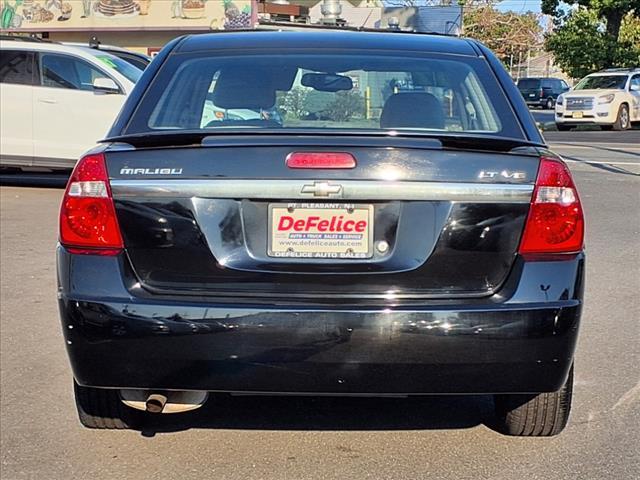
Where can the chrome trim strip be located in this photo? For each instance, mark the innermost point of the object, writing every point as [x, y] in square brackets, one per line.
[351, 190]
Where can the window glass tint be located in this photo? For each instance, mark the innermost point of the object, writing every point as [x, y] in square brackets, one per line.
[63, 71]
[529, 83]
[602, 82]
[324, 92]
[121, 66]
[138, 62]
[547, 83]
[635, 81]
[17, 67]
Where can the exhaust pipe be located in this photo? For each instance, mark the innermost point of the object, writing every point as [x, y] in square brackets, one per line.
[155, 403]
[163, 401]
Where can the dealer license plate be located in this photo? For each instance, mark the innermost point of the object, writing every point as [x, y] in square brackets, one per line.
[321, 230]
[577, 114]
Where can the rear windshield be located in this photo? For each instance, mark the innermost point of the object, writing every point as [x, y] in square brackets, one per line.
[346, 91]
[529, 83]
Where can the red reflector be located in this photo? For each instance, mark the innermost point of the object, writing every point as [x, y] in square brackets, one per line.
[88, 222]
[555, 223]
[320, 160]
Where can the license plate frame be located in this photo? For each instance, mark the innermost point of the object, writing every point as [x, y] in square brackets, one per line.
[349, 247]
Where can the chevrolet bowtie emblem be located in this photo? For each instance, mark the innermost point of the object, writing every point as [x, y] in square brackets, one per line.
[322, 189]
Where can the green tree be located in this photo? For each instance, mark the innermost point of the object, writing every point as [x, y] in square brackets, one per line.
[345, 106]
[292, 103]
[610, 12]
[596, 34]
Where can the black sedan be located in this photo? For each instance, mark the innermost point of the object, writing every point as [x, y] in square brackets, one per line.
[349, 238]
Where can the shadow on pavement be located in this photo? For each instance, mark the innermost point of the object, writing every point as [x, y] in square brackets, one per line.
[602, 166]
[328, 414]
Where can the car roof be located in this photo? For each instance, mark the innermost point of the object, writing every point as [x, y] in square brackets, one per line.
[41, 46]
[325, 40]
[108, 48]
[616, 73]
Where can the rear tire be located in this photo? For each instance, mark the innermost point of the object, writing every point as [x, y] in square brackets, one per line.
[550, 104]
[622, 120]
[542, 415]
[563, 128]
[102, 408]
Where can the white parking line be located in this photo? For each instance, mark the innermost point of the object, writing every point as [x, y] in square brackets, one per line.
[597, 162]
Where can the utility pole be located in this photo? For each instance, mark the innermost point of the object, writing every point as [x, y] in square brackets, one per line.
[519, 63]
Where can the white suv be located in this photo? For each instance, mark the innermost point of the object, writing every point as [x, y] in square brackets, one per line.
[610, 98]
[57, 101]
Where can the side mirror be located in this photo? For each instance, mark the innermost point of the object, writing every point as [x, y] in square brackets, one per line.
[634, 88]
[105, 85]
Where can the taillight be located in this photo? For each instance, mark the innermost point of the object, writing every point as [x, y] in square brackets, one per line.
[88, 223]
[320, 160]
[555, 223]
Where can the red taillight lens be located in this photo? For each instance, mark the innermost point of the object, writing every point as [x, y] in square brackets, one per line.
[555, 223]
[88, 222]
[320, 160]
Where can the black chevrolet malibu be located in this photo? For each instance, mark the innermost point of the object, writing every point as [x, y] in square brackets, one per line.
[343, 213]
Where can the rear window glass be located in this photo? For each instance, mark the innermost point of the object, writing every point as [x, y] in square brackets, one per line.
[529, 83]
[318, 91]
[17, 67]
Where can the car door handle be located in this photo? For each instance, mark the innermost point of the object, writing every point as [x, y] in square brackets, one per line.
[47, 100]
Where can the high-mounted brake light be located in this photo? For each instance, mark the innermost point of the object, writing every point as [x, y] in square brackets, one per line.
[88, 223]
[556, 222]
[320, 160]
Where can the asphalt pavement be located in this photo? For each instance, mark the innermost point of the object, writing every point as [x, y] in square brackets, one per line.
[326, 438]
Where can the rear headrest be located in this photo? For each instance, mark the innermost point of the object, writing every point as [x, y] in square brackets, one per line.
[412, 110]
[244, 89]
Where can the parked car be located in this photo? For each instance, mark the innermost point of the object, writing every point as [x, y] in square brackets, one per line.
[610, 99]
[137, 59]
[57, 101]
[410, 243]
[542, 92]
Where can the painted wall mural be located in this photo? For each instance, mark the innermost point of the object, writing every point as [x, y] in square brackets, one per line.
[48, 15]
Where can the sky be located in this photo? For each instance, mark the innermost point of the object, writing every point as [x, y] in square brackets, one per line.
[520, 5]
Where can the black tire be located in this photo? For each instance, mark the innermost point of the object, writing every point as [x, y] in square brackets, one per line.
[542, 415]
[563, 128]
[623, 119]
[550, 104]
[102, 408]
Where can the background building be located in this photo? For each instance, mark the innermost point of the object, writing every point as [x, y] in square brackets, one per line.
[142, 25]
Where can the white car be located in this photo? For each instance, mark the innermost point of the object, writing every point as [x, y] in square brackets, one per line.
[57, 101]
[610, 98]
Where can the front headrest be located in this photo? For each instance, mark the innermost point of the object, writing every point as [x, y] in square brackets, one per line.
[243, 89]
[412, 110]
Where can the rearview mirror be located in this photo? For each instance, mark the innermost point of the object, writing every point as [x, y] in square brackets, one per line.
[327, 82]
[105, 85]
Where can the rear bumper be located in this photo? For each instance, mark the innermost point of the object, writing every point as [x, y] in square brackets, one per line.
[540, 102]
[523, 343]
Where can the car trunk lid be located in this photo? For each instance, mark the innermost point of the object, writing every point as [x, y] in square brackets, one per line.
[432, 221]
